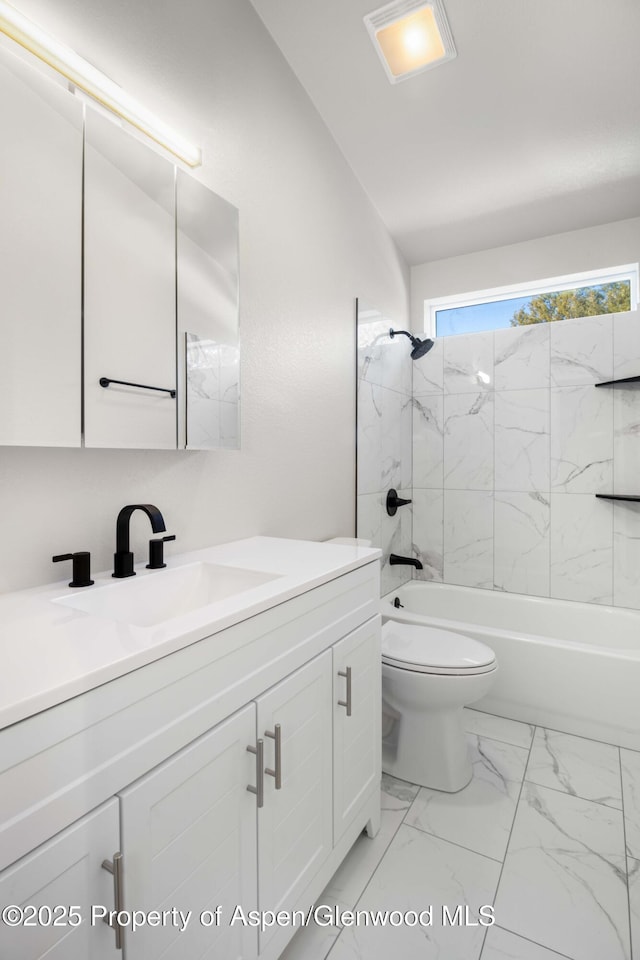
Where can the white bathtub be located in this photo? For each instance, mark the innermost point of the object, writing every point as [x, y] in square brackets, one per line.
[570, 666]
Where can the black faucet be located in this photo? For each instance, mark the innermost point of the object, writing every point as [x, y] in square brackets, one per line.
[410, 561]
[123, 557]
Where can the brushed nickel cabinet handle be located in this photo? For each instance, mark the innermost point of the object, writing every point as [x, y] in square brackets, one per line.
[276, 734]
[258, 750]
[114, 867]
[346, 703]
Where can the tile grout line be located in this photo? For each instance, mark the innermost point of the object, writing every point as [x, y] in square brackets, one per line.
[574, 796]
[506, 852]
[364, 889]
[544, 726]
[626, 854]
[563, 956]
[460, 846]
[546, 786]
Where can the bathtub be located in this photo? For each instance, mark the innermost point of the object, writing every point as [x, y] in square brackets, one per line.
[574, 667]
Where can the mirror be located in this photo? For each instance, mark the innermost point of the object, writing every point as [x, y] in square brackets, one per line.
[129, 291]
[119, 317]
[208, 338]
[40, 259]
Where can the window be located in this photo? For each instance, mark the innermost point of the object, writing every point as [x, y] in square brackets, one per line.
[614, 290]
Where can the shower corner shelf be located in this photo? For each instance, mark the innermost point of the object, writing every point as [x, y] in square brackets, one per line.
[612, 383]
[617, 496]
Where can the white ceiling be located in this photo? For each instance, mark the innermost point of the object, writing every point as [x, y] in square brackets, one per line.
[533, 129]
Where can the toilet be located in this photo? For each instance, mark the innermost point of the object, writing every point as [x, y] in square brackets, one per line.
[428, 676]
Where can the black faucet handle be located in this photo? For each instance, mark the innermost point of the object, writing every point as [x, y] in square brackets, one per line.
[394, 501]
[156, 552]
[81, 567]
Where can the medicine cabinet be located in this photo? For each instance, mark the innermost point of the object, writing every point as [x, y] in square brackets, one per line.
[119, 283]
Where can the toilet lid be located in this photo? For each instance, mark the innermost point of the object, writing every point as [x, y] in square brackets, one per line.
[424, 648]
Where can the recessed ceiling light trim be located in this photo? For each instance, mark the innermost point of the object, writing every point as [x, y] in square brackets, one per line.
[410, 36]
[94, 82]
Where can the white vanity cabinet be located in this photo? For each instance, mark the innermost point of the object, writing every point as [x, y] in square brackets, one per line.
[63, 879]
[227, 774]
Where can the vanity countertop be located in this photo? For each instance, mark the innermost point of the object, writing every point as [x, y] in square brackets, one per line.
[50, 652]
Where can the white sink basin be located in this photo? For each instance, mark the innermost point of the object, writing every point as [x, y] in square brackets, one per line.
[149, 600]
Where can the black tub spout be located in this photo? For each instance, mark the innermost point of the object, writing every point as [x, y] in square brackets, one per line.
[394, 559]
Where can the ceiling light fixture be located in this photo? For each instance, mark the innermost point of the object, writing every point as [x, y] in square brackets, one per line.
[410, 36]
[94, 82]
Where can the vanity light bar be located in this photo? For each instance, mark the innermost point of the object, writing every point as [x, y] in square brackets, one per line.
[93, 82]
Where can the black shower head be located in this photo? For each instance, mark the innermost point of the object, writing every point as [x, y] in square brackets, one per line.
[420, 347]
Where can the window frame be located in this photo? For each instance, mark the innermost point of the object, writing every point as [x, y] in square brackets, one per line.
[572, 281]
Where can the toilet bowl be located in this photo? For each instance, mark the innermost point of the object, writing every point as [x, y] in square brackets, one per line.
[428, 676]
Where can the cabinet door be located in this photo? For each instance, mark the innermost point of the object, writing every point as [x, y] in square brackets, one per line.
[65, 871]
[189, 842]
[40, 258]
[294, 825]
[208, 340]
[356, 727]
[129, 290]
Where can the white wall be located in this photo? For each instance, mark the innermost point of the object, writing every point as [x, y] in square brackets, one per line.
[608, 245]
[310, 243]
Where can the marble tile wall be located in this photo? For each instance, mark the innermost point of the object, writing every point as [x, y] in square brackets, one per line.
[384, 447]
[510, 443]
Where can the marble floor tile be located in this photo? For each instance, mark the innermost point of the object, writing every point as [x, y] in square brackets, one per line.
[502, 945]
[416, 872]
[353, 875]
[630, 761]
[564, 879]
[480, 816]
[348, 882]
[583, 768]
[313, 942]
[633, 867]
[498, 728]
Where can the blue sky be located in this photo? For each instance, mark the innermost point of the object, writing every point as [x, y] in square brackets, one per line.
[480, 316]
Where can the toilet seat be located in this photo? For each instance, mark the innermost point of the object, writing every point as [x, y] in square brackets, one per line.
[425, 649]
